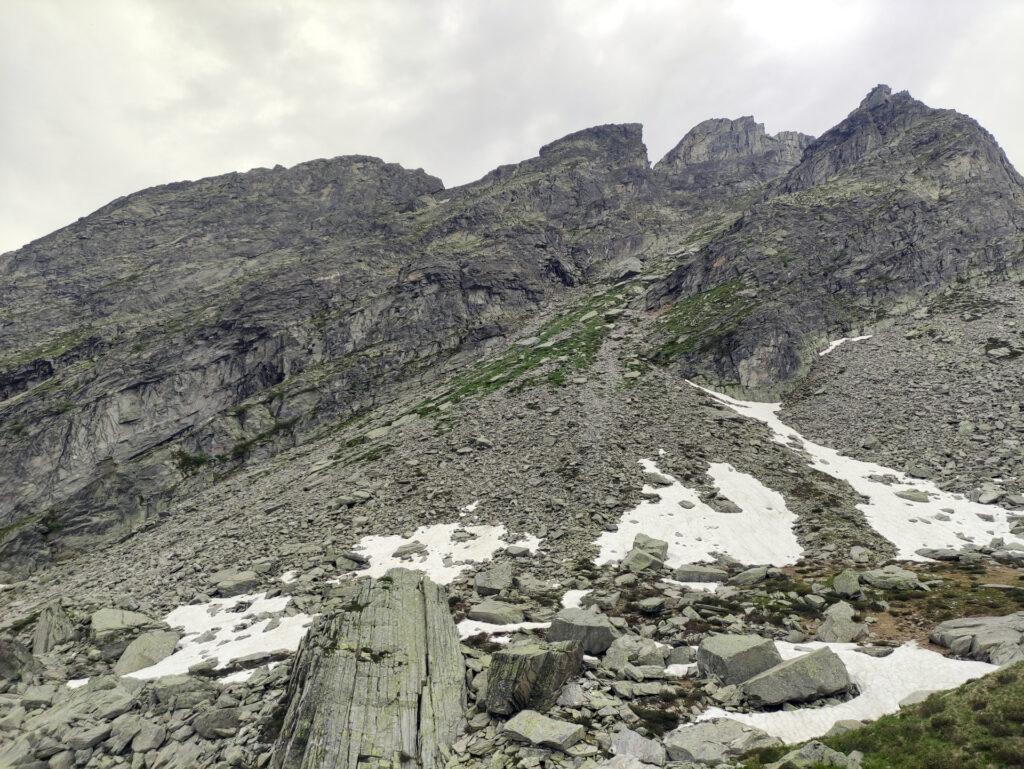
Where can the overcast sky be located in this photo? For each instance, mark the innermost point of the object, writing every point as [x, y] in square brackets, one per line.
[105, 97]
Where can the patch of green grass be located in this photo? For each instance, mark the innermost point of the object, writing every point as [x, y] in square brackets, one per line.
[699, 322]
[242, 448]
[574, 339]
[977, 726]
[190, 463]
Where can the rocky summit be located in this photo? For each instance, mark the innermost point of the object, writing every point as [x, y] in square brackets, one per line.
[712, 461]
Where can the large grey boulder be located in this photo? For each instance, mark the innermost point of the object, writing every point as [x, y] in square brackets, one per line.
[816, 755]
[148, 649]
[809, 677]
[634, 650]
[647, 554]
[493, 580]
[694, 572]
[531, 727]
[716, 741]
[496, 612]
[15, 660]
[529, 676]
[847, 584]
[53, 628]
[735, 658]
[999, 640]
[626, 742]
[892, 577]
[105, 624]
[839, 625]
[595, 631]
[381, 681]
[231, 582]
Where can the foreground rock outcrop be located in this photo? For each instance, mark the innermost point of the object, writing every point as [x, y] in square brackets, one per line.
[380, 682]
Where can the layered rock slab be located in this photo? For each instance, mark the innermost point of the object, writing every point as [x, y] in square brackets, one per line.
[381, 682]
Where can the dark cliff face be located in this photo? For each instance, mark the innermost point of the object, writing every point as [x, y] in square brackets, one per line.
[719, 159]
[897, 199]
[184, 330]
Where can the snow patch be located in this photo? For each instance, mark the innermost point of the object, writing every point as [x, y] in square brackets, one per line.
[76, 683]
[945, 521]
[443, 558]
[694, 587]
[761, 534]
[498, 633]
[680, 670]
[883, 682]
[835, 343]
[289, 576]
[230, 628]
[572, 598]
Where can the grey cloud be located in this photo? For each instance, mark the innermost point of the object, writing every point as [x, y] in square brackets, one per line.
[106, 97]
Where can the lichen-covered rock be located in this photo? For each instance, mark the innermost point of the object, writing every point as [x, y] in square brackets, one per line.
[531, 727]
[839, 625]
[53, 628]
[999, 640]
[808, 677]
[148, 649]
[15, 659]
[380, 681]
[592, 629]
[529, 676]
[735, 658]
[716, 741]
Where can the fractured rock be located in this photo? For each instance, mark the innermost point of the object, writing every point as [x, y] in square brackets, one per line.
[808, 677]
[53, 628]
[535, 729]
[716, 741]
[595, 631]
[530, 676]
[148, 649]
[381, 680]
[839, 625]
[735, 658]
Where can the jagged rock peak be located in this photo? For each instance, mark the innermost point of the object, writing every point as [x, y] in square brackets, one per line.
[622, 141]
[722, 139]
[880, 94]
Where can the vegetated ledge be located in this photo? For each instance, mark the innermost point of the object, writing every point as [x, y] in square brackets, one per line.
[977, 726]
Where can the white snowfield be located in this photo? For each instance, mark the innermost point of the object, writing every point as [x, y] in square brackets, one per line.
[883, 683]
[444, 558]
[573, 598]
[498, 633]
[229, 634]
[761, 534]
[836, 342]
[945, 521]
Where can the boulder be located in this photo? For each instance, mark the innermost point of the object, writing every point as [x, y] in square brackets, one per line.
[381, 680]
[496, 612]
[735, 658]
[148, 649]
[999, 640]
[217, 723]
[530, 676]
[493, 580]
[808, 677]
[182, 692]
[816, 755]
[716, 741]
[751, 576]
[626, 742]
[15, 660]
[538, 730]
[106, 624]
[633, 650]
[847, 584]
[231, 582]
[53, 628]
[696, 573]
[595, 631]
[839, 625]
[892, 578]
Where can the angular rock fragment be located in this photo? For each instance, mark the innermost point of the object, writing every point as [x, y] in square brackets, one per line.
[53, 628]
[809, 677]
[595, 631]
[839, 625]
[531, 727]
[148, 649]
[530, 676]
[999, 640]
[735, 658]
[716, 741]
[380, 682]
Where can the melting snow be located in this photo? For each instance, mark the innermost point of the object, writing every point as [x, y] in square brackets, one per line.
[75, 683]
[883, 682]
[945, 521]
[761, 534]
[835, 343]
[228, 634]
[443, 558]
[572, 598]
[499, 633]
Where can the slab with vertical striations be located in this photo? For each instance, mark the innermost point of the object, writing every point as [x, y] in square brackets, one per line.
[380, 683]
